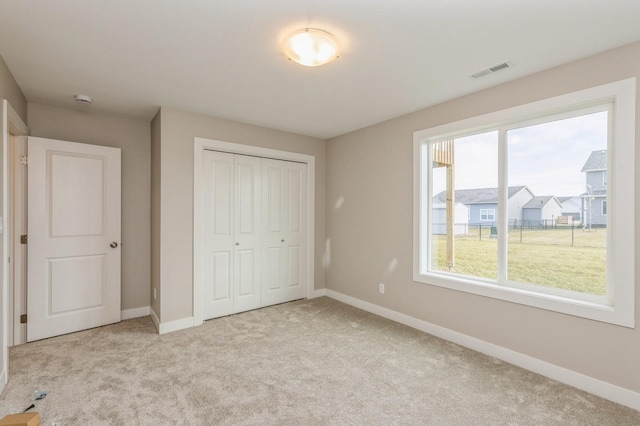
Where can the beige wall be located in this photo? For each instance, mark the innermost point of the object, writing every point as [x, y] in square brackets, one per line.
[371, 169]
[178, 129]
[10, 91]
[133, 137]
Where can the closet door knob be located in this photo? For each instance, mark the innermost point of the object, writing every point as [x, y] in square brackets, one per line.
[237, 244]
[282, 241]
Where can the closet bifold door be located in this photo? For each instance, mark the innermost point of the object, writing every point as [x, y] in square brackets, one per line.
[217, 247]
[231, 212]
[247, 208]
[284, 213]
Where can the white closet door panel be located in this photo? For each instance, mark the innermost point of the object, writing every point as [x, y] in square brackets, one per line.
[217, 260]
[221, 276]
[274, 193]
[221, 184]
[284, 197]
[295, 238]
[246, 277]
[273, 270]
[293, 269]
[295, 200]
[247, 216]
[274, 198]
[245, 204]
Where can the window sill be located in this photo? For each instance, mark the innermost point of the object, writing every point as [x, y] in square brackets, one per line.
[597, 309]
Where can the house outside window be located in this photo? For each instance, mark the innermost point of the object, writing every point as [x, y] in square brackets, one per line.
[547, 151]
[595, 170]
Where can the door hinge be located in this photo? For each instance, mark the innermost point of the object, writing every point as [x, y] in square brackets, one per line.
[23, 319]
[24, 160]
[23, 239]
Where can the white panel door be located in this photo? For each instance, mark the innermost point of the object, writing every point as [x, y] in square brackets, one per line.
[231, 263]
[295, 232]
[74, 209]
[247, 219]
[217, 262]
[284, 238]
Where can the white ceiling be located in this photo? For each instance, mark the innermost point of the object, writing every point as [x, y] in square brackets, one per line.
[222, 57]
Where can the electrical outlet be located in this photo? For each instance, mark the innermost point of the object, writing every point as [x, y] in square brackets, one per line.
[381, 288]
[155, 296]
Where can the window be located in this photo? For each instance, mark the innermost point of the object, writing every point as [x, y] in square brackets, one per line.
[521, 160]
[487, 215]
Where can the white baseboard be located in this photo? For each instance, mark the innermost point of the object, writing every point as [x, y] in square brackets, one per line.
[169, 326]
[589, 384]
[318, 293]
[142, 311]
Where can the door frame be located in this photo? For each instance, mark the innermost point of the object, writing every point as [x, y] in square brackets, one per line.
[202, 144]
[12, 126]
[18, 226]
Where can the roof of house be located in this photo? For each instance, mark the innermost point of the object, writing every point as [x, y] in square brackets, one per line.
[479, 195]
[597, 193]
[539, 202]
[597, 161]
[565, 199]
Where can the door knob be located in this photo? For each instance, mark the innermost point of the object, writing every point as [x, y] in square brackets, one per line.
[237, 244]
[113, 245]
[282, 241]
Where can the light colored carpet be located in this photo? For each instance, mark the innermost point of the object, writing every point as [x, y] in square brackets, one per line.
[311, 362]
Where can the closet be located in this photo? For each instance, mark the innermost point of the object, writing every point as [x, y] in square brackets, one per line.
[254, 242]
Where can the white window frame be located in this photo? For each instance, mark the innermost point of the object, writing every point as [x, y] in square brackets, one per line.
[493, 215]
[617, 307]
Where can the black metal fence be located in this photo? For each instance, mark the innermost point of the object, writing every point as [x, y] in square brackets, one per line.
[531, 232]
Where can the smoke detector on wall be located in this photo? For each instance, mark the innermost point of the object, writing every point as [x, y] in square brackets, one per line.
[83, 99]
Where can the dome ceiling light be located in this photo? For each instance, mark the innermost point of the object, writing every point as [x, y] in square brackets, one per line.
[311, 47]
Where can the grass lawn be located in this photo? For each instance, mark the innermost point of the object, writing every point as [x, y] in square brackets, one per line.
[544, 257]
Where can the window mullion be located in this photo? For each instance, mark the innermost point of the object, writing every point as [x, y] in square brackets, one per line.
[503, 225]
[611, 195]
[426, 191]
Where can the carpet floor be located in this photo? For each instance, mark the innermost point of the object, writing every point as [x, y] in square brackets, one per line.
[311, 362]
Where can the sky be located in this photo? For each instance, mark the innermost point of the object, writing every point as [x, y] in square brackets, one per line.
[548, 158]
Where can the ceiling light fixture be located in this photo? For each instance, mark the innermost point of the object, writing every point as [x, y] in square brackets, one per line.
[311, 47]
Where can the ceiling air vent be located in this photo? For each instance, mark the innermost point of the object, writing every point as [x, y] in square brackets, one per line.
[83, 99]
[490, 70]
